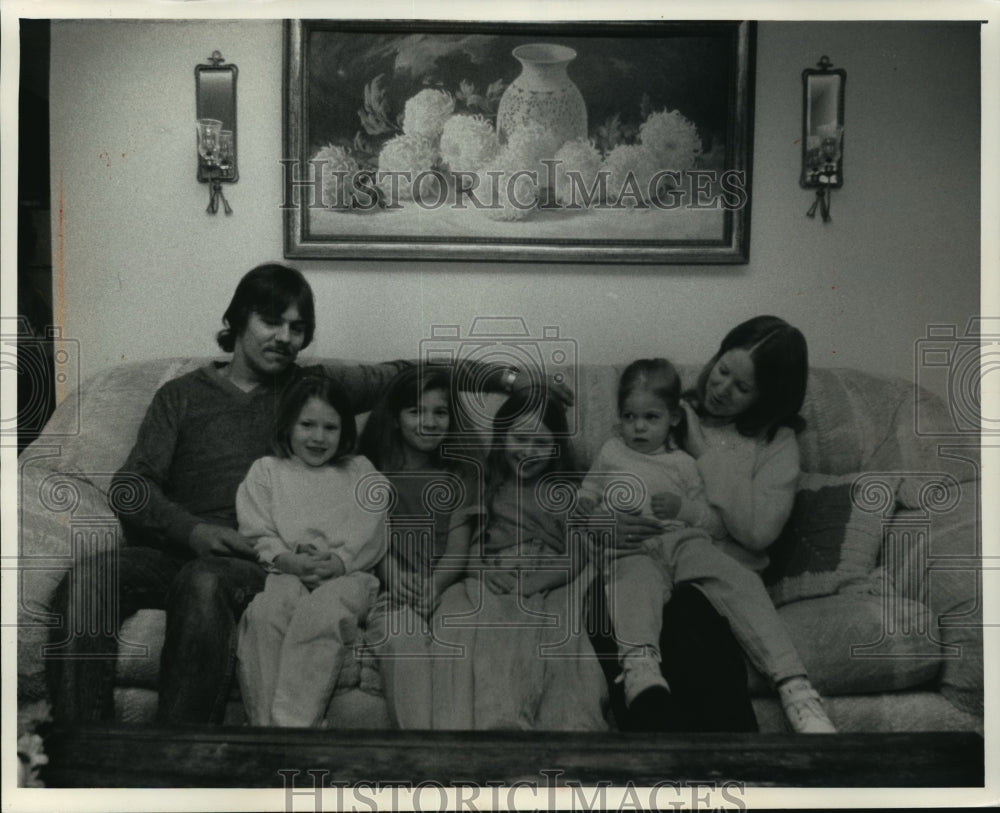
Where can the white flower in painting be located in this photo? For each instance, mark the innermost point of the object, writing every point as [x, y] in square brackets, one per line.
[672, 139]
[528, 145]
[467, 142]
[630, 168]
[580, 157]
[338, 167]
[509, 192]
[425, 114]
[407, 154]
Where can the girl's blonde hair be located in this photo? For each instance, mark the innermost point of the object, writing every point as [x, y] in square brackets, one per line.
[660, 377]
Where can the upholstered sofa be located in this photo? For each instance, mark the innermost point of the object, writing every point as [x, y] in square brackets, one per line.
[876, 574]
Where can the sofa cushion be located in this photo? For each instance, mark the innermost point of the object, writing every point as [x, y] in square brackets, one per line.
[844, 644]
[110, 406]
[828, 542]
[147, 627]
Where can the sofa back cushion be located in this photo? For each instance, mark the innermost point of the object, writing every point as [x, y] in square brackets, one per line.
[854, 421]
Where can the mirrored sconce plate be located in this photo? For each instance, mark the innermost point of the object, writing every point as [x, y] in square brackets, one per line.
[215, 100]
[823, 126]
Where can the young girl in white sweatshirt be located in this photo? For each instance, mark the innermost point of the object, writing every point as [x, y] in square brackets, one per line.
[305, 511]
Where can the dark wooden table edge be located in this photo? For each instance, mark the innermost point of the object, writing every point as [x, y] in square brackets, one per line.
[143, 756]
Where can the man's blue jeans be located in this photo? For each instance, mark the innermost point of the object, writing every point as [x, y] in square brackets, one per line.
[204, 598]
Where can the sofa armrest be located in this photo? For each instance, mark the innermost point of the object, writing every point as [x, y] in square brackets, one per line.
[932, 554]
[60, 514]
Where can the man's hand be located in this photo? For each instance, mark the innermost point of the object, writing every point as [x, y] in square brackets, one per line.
[554, 386]
[665, 505]
[217, 540]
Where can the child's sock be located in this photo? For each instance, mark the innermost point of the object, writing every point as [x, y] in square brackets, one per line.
[803, 707]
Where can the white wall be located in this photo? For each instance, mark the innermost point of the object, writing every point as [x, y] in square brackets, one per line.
[142, 271]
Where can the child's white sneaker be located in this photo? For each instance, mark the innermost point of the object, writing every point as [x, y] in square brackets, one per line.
[641, 672]
[803, 708]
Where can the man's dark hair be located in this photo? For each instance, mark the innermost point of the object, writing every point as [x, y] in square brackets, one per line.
[268, 290]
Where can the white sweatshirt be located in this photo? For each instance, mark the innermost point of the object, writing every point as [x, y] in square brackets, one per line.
[663, 470]
[751, 483]
[283, 503]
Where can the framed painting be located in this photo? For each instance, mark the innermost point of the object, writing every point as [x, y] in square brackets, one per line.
[557, 142]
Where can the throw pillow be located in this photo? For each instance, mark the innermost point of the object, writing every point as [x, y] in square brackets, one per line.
[827, 544]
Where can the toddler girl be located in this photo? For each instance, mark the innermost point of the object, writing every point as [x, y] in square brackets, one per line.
[410, 438]
[304, 511]
[670, 488]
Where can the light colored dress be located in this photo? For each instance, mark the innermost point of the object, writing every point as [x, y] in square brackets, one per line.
[531, 665]
[415, 657]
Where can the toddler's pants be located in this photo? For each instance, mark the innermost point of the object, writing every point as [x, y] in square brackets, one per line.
[639, 586]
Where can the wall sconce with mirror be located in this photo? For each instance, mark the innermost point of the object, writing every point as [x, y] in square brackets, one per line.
[215, 114]
[822, 133]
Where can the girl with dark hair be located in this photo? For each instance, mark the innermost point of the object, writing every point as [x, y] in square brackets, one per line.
[434, 513]
[302, 510]
[532, 668]
[663, 482]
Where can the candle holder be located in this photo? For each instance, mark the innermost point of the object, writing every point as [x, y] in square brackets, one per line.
[822, 133]
[215, 126]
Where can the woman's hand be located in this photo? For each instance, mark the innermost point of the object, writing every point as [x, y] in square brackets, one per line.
[694, 440]
[630, 530]
[665, 505]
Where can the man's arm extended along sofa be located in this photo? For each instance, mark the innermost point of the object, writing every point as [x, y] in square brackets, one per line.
[876, 573]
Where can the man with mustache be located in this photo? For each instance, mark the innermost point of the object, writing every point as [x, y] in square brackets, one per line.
[175, 496]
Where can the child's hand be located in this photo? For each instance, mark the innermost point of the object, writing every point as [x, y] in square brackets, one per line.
[411, 588]
[500, 581]
[694, 439]
[312, 568]
[665, 505]
[586, 505]
[294, 564]
[533, 581]
[326, 565]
